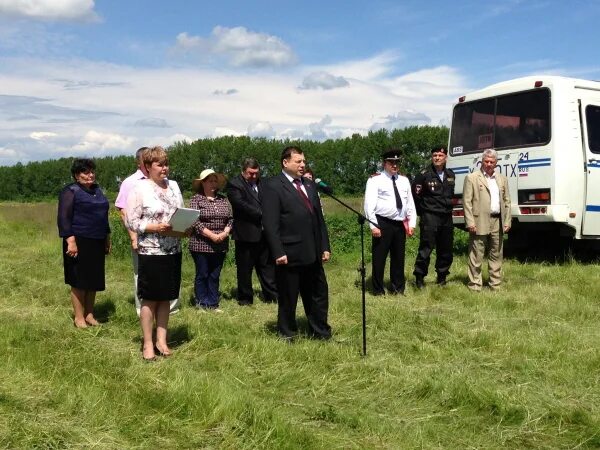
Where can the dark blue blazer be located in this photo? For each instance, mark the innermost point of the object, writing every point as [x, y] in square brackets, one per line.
[290, 228]
[247, 213]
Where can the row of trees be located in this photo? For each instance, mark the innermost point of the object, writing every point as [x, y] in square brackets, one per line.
[344, 163]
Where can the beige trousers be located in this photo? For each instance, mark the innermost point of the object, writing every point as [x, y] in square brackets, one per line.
[479, 247]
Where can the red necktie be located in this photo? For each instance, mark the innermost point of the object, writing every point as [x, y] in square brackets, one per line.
[305, 199]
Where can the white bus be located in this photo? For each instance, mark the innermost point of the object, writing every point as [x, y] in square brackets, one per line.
[546, 130]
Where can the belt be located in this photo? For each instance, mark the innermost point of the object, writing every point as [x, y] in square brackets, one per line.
[495, 215]
[387, 219]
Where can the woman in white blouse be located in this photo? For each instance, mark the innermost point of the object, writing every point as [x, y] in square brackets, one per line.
[149, 208]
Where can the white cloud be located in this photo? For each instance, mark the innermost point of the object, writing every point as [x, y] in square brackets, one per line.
[402, 119]
[7, 153]
[260, 129]
[317, 129]
[224, 131]
[179, 137]
[323, 80]
[98, 142]
[291, 133]
[369, 69]
[41, 135]
[152, 122]
[63, 10]
[185, 42]
[239, 46]
[225, 91]
[184, 98]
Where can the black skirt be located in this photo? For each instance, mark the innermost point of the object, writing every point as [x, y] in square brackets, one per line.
[159, 277]
[86, 271]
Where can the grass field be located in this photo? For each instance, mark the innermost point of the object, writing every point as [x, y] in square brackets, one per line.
[446, 368]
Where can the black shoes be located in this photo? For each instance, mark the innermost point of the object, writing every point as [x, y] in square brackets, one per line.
[420, 282]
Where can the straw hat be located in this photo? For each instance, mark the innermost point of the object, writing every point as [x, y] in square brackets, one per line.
[205, 173]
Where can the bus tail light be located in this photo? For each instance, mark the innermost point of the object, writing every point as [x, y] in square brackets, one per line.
[533, 210]
[458, 213]
[534, 197]
[538, 83]
[457, 201]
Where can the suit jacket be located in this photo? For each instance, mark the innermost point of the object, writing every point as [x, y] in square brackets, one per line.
[290, 228]
[476, 201]
[247, 211]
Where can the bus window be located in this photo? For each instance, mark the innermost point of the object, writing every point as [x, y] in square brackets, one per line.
[592, 118]
[472, 126]
[514, 120]
[523, 119]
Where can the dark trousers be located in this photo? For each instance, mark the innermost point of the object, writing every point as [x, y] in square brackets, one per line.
[206, 282]
[249, 256]
[310, 282]
[392, 241]
[436, 232]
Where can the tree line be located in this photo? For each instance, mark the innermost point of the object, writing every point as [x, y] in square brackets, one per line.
[344, 163]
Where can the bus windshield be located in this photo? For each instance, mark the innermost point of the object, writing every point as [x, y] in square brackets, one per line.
[509, 121]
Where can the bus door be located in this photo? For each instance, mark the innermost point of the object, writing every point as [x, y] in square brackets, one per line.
[590, 114]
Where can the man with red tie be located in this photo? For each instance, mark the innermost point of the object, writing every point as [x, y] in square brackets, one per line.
[297, 237]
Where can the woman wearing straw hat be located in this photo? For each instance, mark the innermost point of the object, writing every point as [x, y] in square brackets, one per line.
[210, 237]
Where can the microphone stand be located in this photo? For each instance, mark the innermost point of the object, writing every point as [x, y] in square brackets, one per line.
[361, 220]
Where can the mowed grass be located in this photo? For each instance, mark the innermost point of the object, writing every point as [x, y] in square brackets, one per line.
[446, 368]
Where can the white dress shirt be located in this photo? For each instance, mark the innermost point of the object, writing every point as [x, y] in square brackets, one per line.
[381, 200]
[494, 193]
[291, 179]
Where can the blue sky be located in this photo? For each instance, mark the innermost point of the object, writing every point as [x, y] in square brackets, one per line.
[96, 78]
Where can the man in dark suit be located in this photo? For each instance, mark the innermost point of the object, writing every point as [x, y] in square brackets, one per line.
[297, 236]
[251, 250]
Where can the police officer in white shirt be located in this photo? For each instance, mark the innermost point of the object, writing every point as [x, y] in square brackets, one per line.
[389, 204]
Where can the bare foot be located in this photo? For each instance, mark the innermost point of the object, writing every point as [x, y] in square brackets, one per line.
[148, 353]
[163, 350]
[79, 323]
[91, 320]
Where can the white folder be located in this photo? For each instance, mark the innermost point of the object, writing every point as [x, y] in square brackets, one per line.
[183, 218]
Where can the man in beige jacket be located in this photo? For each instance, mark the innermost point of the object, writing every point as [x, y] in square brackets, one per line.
[486, 202]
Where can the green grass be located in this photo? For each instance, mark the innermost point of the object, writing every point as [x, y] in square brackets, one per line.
[446, 368]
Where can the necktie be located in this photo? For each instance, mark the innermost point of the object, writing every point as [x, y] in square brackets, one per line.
[254, 189]
[305, 199]
[397, 194]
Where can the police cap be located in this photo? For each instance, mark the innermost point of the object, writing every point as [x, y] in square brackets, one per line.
[391, 155]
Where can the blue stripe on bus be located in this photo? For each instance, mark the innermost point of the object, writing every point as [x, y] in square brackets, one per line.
[534, 165]
[592, 208]
[527, 161]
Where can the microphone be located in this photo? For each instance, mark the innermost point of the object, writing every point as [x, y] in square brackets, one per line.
[324, 187]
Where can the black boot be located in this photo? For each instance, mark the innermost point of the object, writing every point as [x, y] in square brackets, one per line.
[441, 279]
[420, 281]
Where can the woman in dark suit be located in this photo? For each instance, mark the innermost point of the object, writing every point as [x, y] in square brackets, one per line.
[83, 225]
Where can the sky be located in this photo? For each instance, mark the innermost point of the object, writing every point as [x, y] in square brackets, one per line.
[98, 78]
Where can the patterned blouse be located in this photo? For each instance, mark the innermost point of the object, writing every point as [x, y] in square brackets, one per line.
[215, 214]
[148, 203]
